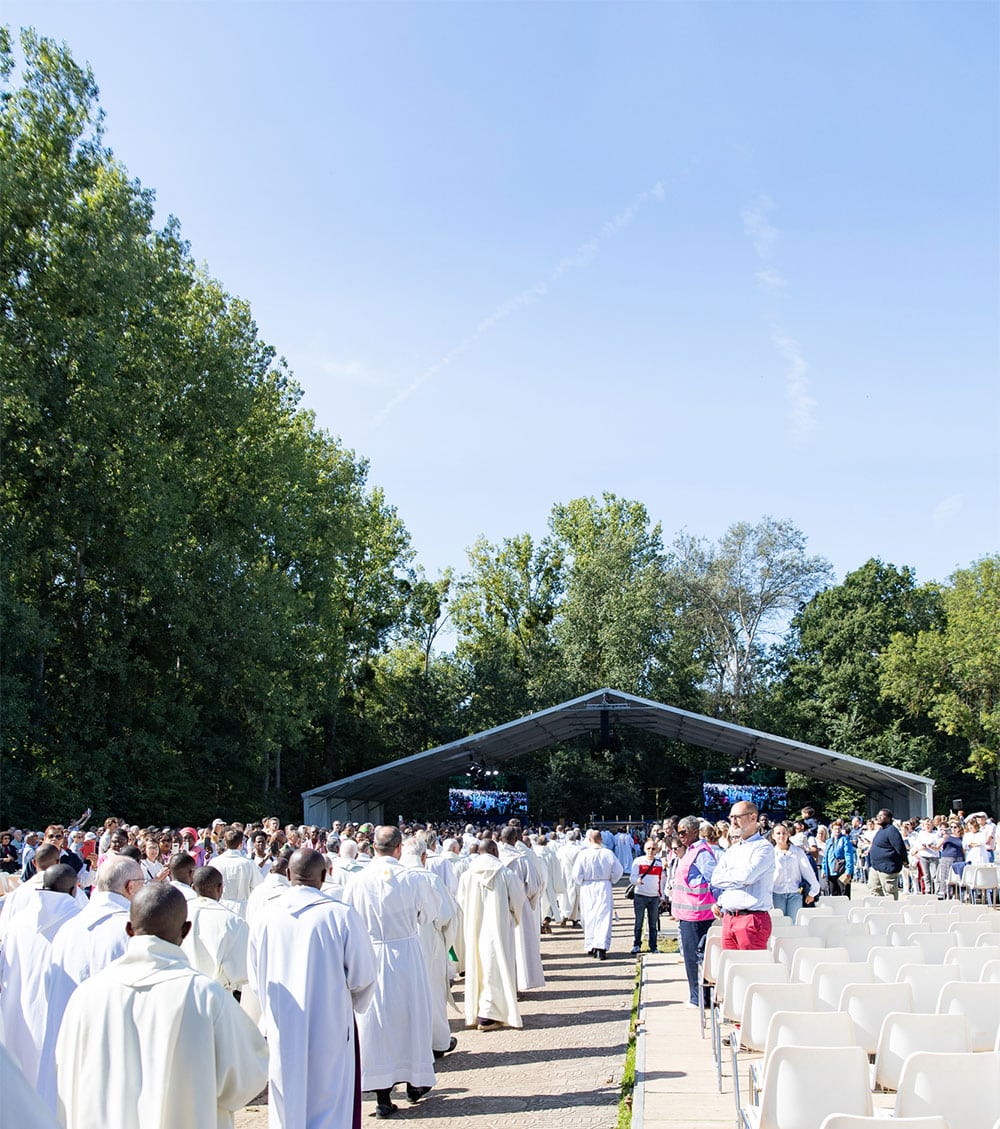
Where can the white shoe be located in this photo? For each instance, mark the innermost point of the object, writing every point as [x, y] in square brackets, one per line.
[689, 1004]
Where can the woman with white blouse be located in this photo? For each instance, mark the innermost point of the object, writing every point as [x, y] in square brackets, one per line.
[791, 870]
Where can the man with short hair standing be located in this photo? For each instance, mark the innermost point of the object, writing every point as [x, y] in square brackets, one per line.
[886, 858]
[239, 874]
[392, 901]
[742, 882]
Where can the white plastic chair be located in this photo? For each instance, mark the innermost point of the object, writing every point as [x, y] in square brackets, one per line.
[851, 1121]
[725, 959]
[860, 945]
[966, 1085]
[971, 962]
[869, 1004]
[990, 973]
[804, 1084]
[979, 1003]
[988, 941]
[967, 933]
[926, 981]
[803, 915]
[805, 960]
[830, 927]
[786, 947]
[934, 946]
[899, 933]
[984, 884]
[887, 960]
[801, 1029]
[829, 981]
[903, 1034]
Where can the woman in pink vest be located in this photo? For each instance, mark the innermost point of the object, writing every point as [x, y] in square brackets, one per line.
[691, 899]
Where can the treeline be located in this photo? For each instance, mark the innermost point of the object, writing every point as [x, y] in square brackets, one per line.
[206, 608]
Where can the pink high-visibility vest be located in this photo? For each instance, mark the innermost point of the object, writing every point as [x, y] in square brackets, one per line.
[691, 903]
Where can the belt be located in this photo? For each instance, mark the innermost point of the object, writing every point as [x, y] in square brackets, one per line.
[741, 912]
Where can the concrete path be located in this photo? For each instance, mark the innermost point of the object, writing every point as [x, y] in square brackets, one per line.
[563, 1070]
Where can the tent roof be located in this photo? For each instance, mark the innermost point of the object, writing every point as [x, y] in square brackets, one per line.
[583, 716]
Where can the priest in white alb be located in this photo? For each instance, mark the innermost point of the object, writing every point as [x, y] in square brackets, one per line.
[312, 968]
[595, 871]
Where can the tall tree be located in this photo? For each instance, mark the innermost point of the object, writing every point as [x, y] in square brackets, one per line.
[951, 672]
[740, 594]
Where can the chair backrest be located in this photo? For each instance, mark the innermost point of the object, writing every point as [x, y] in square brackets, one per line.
[803, 1084]
[729, 957]
[778, 916]
[829, 981]
[808, 1029]
[830, 927]
[935, 946]
[853, 1121]
[887, 960]
[869, 1004]
[786, 947]
[859, 945]
[980, 1004]
[739, 977]
[967, 933]
[988, 941]
[710, 963]
[927, 980]
[899, 933]
[967, 1086]
[903, 1033]
[805, 960]
[762, 1001]
[970, 962]
[878, 921]
[806, 912]
[991, 972]
[930, 912]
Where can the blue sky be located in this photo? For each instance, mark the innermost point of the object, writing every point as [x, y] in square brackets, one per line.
[726, 259]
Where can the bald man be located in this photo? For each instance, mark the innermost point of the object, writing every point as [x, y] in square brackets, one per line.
[218, 939]
[595, 871]
[187, 1056]
[311, 967]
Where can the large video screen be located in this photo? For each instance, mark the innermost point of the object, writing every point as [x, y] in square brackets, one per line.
[771, 799]
[486, 803]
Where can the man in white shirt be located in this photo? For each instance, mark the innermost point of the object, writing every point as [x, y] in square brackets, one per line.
[239, 874]
[743, 880]
[595, 871]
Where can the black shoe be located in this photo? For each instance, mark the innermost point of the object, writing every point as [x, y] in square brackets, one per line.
[384, 1111]
[451, 1046]
[415, 1093]
[602, 954]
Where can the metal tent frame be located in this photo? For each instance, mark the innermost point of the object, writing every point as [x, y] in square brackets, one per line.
[363, 796]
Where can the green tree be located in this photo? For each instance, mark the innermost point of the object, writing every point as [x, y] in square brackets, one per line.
[951, 672]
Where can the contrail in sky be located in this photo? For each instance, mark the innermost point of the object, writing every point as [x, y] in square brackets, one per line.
[534, 293]
[801, 405]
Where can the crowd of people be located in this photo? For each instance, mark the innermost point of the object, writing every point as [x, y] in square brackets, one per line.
[258, 947]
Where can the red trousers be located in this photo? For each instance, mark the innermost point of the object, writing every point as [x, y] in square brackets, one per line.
[746, 930]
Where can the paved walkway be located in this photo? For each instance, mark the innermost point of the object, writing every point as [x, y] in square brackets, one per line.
[563, 1070]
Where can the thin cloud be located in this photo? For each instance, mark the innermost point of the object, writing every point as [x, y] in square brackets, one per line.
[947, 508]
[757, 227]
[802, 405]
[578, 258]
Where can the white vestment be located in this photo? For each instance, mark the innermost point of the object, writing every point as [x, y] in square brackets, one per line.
[239, 877]
[569, 898]
[24, 967]
[436, 936]
[624, 850]
[548, 862]
[149, 1043]
[22, 1107]
[396, 1028]
[87, 943]
[216, 944]
[528, 933]
[594, 871]
[491, 896]
[20, 897]
[444, 866]
[312, 967]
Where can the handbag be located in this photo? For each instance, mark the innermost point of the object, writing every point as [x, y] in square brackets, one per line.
[838, 867]
[630, 888]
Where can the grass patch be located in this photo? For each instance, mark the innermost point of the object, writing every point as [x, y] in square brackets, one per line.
[628, 1074]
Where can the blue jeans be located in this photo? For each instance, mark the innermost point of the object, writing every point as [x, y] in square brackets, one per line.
[646, 907]
[789, 904]
[692, 937]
